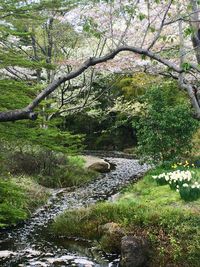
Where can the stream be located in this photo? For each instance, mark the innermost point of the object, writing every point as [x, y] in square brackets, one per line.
[30, 244]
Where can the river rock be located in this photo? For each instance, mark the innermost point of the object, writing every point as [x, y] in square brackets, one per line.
[6, 253]
[100, 167]
[110, 228]
[134, 252]
[112, 234]
[96, 164]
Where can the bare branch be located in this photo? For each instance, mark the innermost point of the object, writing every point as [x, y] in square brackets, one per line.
[161, 25]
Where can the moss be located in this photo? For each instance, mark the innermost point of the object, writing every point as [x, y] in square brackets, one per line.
[157, 213]
[19, 197]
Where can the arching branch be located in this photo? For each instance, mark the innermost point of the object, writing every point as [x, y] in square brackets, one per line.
[27, 112]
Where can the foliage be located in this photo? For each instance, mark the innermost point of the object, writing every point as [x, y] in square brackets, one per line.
[49, 168]
[35, 194]
[113, 131]
[107, 124]
[43, 132]
[24, 134]
[196, 144]
[136, 85]
[69, 173]
[130, 109]
[170, 225]
[165, 130]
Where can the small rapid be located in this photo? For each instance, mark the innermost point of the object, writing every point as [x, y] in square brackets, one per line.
[30, 244]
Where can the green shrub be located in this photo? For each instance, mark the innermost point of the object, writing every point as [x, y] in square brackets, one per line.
[136, 85]
[35, 162]
[49, 168]
[19, 196]
[189, 193]
[165, 130]
[70, 172]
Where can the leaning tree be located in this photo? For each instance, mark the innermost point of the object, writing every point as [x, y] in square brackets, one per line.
[159, 36]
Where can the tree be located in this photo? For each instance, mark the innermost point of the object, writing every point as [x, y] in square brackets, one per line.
[26, 64]
[154, 19]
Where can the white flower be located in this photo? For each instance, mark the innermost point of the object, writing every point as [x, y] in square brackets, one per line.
[185, 185]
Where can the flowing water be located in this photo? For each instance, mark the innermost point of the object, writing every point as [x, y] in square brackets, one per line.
[30, 244]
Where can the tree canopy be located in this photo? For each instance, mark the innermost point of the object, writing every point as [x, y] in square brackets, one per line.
[48, 44]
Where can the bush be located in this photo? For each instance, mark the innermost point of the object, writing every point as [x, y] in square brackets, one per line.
[44, 162]
[165, 130]
[50, 169]
[69, 173]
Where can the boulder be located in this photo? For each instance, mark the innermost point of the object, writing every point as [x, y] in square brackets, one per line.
[112, 234]
[96, 164]
[134, 252]
[110, 228]
[100, 167]
[6, 253]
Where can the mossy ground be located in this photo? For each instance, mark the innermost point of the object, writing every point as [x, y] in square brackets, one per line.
[20, 196]
[171, 225]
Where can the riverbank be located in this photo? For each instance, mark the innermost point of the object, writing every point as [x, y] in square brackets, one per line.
[21, 194]
[156, 213]
[20, 243]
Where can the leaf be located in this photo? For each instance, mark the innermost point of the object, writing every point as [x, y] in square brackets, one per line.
[143, 57]
[141, 16]
[152, 29]
[186, 66]
[188, 31]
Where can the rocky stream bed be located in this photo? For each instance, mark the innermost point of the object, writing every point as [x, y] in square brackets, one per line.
[30, 244]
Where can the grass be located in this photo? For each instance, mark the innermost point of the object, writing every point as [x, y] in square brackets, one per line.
[35, 194]
[19, 197]
[171, 225]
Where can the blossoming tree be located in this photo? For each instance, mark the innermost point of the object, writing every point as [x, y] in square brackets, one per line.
[162, 37]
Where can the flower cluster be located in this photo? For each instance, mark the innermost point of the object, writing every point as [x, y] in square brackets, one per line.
[181, 181]
[175, 177]
[186, 164]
